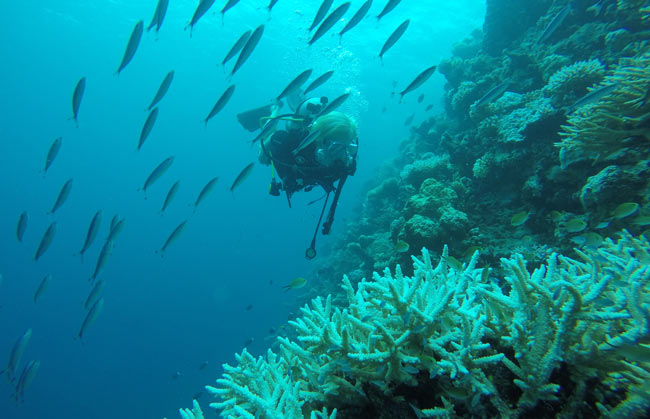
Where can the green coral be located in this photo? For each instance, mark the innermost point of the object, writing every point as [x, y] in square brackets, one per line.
[570, 82]
[612, 123]
[459, 326]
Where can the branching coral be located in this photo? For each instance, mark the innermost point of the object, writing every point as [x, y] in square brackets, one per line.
[605, 126]
[458, 326]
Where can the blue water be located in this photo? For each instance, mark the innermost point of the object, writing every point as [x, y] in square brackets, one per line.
[167, 315]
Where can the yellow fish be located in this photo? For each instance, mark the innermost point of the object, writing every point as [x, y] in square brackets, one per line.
[295, 284]
[519, 218]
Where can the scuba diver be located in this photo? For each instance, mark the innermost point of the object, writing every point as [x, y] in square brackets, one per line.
[314, 149]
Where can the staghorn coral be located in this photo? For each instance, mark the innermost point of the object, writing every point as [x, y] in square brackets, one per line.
[610, 125]
[459, 329]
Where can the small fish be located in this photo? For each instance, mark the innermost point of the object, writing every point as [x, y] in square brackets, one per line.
[132, 46]
[320, 80]
[358, 16]
[575, 225]
[602, 225]
[205, 191]
[90, 318]
[201, 9]
[330, 21]
[267, 129]
[221, 102]
[203, 365]
[46, 241]
[249, 307]
[16, 354]
[42, 287]
[295, 284]
[429, 107]
[592, 239]
[158, 15]
[555, 23]
[117, 225]
[27, 376]
[170, 195]
[93, 228]
[295, 84]
[388, 8]
[331, 106]
[401, 246]
[394, 37]
[197, 395]
[241, 177]
[162, 90]
[593, 96]
[249, 342]
[77, 95]
[421, 98]
[173, 237]
[236, 47]
[21, 226]
[320, 14]
[271, 4]
[52, 153]
[94, 293]
[147, 127]
[158, 172]
[248, 48]
[519, 218]
[625, 210]
[493, 94]
[104, 254]
[408, 121]
[306, 142]
[454, 263]
[229, 5]
[641, 220]
[418, 81]
[62, 197]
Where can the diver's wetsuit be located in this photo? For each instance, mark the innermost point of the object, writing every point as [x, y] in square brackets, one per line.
[301, 171]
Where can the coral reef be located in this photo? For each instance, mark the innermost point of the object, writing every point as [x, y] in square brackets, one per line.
[558, 340]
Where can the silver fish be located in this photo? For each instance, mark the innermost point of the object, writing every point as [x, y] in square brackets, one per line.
[271, 4]
[114, 221]
[132, 46]
[394, 37]
[16, 354]
[77, 95]
[221, 102]
[248, 48]
[52, 153]
[46, 241]
[268, 128]
[94, 293]
[421, 98]
[493, 94]
[320, 80]
[104, 254]
[91, 316]
[21, 226]
[116, 228]
[333, 104]
[593, 96]
[389, 6]
[28, 374]
[418, 81]
[162, 90]
[306, 142]
[173, 237]
[237, 46]
[157, 172]
[158, 15]
[320, 14]
[555, 23]
[229, 5]
[241, 177]
[295, 84]
[170, 195]
[42, 287]
[358, 16]
[205, 191]
[63, 196]
[330, 21]
[93, 228]
[147, 127]
[201, 9]
[409, 120]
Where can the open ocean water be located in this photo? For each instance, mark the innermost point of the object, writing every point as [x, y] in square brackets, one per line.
[219, 285]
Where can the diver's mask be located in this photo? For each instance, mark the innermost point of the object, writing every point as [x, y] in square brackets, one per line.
[308, 109]
[336, 153]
